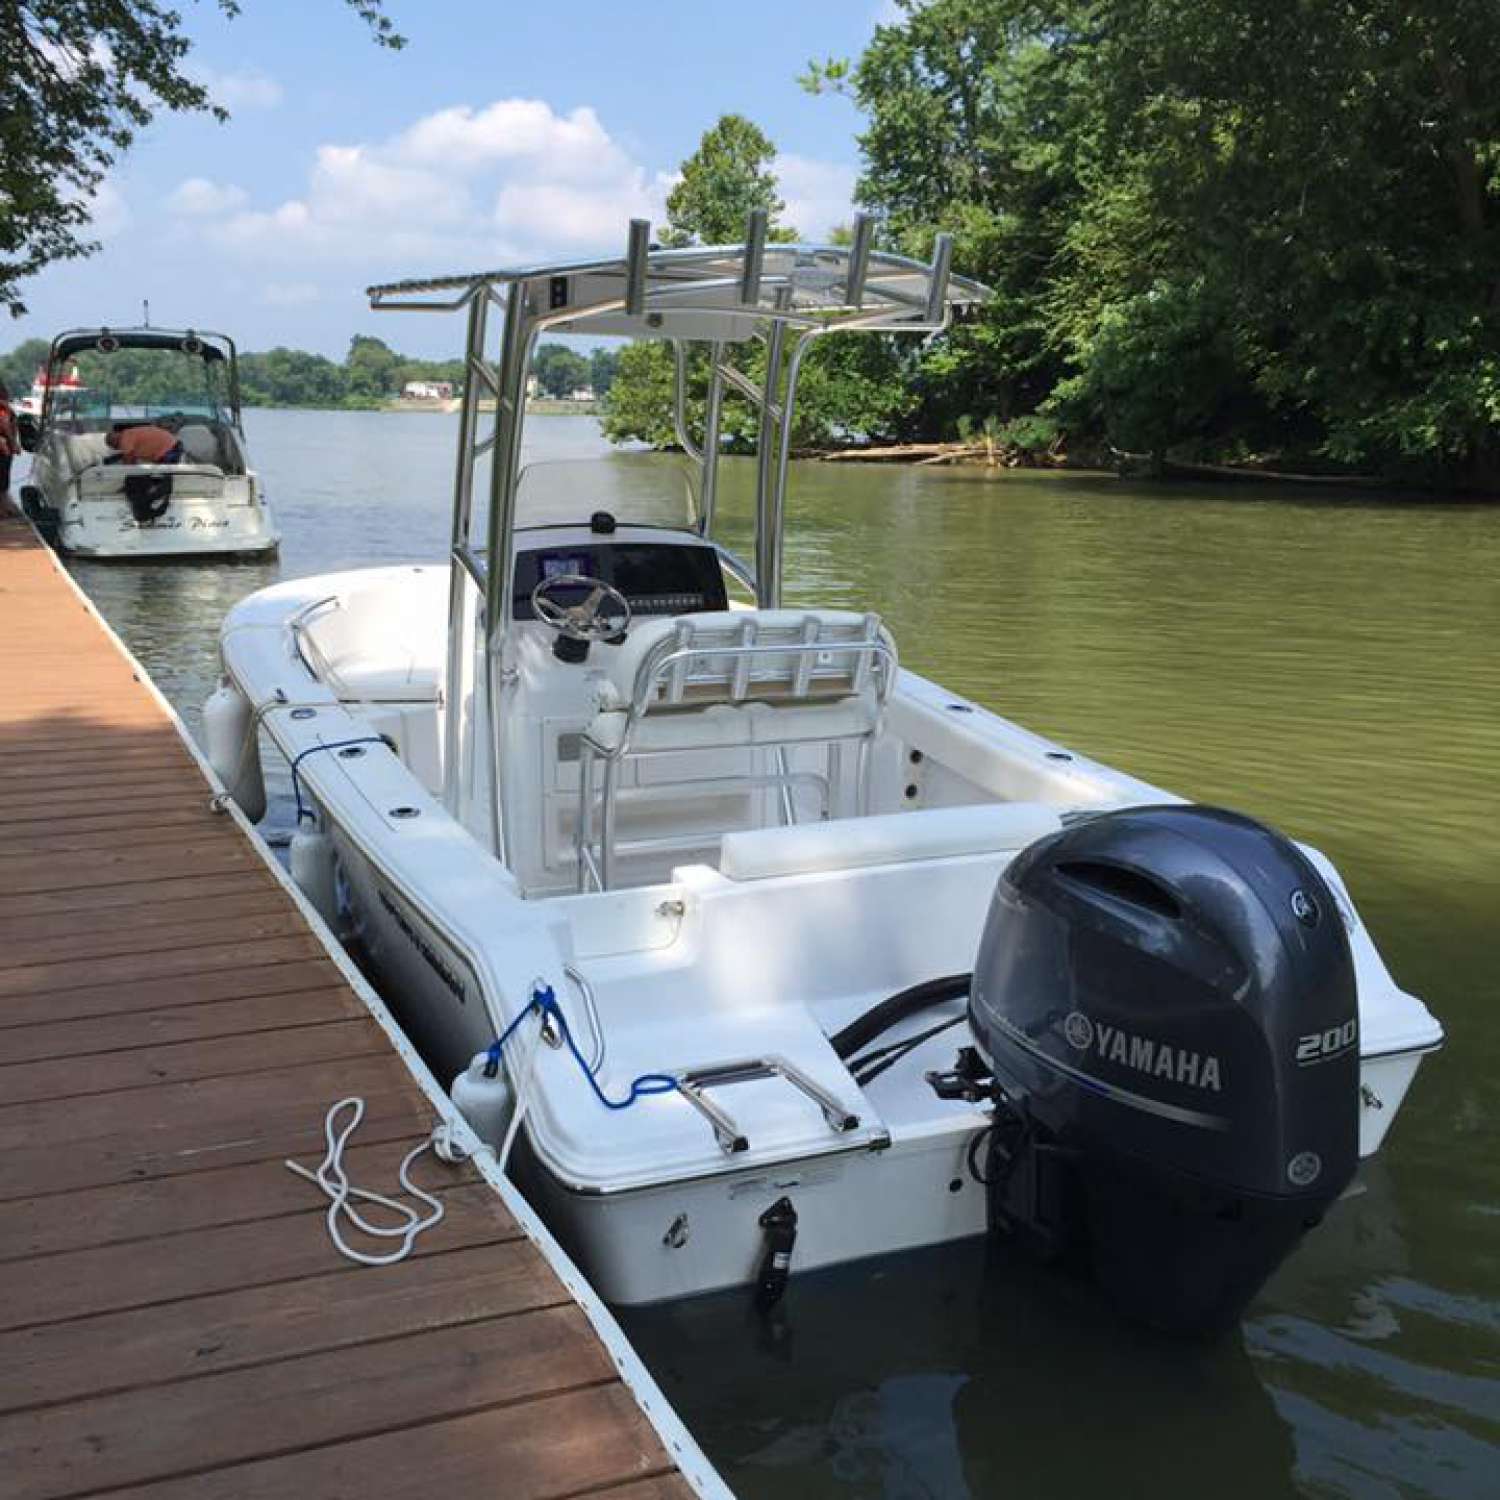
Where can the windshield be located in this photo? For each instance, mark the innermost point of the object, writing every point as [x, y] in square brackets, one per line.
[129, 384]
[641, 489]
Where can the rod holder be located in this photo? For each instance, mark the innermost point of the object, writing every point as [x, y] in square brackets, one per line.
[636, 253]
[937, 287]
[859, 260]
[757, 226]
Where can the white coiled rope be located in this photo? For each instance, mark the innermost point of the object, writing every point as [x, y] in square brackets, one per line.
[334, 1181]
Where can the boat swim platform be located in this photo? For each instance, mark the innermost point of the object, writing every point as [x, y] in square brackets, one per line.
[174, 1021]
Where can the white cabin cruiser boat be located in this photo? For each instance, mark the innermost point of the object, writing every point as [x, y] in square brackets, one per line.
[201, 499]
[764, 952]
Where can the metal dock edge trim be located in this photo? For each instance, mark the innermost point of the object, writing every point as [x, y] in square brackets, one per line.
[669, 1427]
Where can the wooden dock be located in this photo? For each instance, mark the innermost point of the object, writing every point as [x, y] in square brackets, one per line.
[174, 1321]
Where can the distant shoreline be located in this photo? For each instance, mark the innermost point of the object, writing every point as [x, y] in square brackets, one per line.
[534, 408]
[537, 406]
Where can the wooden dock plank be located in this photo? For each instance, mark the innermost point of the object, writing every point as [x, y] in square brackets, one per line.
[111, 1278]
[218, 1419]
[134, 917]
[70, 1077]
[163, 894]
[180, 1023]
[258, 1325]
[578, 1443]
[61, 1144]
[154, 1207]
[118, 941]
[175, 1320]
[278, 975]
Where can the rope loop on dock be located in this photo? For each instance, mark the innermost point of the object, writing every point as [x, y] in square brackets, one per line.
[334, 1181]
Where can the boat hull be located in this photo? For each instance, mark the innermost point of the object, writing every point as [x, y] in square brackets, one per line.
[193, 526]
[458, 950]
[689, 1237]
[686, 1238]
[207, 514]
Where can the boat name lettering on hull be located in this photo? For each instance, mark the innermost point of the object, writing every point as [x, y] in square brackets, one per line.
[431, 956]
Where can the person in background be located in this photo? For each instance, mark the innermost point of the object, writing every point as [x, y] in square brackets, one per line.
[143, 445]
[10, 440]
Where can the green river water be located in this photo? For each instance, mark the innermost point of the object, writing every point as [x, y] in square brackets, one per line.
[1332, 666]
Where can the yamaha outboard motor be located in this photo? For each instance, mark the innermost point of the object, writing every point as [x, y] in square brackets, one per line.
[1167, 1001]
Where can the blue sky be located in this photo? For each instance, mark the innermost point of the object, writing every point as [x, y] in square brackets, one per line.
[502, 131]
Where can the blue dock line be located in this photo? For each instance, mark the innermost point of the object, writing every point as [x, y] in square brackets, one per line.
[544, 1002]
[303, 811]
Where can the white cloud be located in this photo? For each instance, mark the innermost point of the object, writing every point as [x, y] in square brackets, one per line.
[289, 293]
[513, 178]
[240, 90]
[819, 194]
[109, 213]
[468, 187]
[519, 132]
[197, 197]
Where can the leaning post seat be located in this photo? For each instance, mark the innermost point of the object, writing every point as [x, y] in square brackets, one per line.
[740, 679]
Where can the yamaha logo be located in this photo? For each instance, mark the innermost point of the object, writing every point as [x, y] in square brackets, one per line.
[1304, 1168]
[1304, 908]
[1079, 1030]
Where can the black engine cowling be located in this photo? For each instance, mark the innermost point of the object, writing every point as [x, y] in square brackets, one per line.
[1167, 999]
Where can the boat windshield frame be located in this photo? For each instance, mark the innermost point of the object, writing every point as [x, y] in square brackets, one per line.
[718, 297]
[212, 348]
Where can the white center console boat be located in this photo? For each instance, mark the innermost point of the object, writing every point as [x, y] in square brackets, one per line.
[93, 495]
[752, 951]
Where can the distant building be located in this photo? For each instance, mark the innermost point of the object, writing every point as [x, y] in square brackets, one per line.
[583, 393]
[427, 390]
[533, 387]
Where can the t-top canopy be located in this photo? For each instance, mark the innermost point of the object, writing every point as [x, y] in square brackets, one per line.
[718, 293]
[209, 346]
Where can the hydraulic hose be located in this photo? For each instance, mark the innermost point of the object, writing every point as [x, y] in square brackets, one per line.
[880, 1018]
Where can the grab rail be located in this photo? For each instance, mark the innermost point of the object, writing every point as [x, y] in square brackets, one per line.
[693, 1081]
[297, 626]
[591, 1006]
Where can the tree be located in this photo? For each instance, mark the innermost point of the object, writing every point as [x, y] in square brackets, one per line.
[727, 177]
[1301, 201]
[18, 368]
[81, 78]
[639, 405]
[559, 370]
[722, 181]
[371, 368]
[603, 364]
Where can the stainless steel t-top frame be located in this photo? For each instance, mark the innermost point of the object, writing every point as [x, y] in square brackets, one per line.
[720, 297]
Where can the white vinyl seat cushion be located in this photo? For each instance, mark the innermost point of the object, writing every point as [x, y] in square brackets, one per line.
[377, 660]
[85, 449]
[887, 839]
[200, 444]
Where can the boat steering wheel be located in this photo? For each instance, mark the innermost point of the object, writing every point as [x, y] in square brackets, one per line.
[602, 615]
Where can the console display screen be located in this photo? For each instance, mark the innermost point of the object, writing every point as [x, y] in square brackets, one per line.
[658, 578]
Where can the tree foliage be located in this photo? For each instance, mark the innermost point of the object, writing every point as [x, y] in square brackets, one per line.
[850, 384]
[722, 183]
[559, 370]
[370, 375]
[603, 364]
[1213, 223]
[80, 79]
